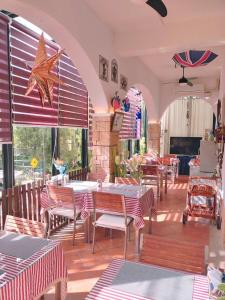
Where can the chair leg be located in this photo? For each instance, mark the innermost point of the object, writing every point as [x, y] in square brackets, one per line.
[74, 230]
[49, 226]
[129, 234]
[150, 221]
[125, 244]
[93, 240]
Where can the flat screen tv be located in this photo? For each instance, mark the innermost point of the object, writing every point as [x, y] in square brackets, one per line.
[185, 145]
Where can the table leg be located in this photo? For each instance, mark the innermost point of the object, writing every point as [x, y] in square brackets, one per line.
[87, 230]
[166, 175]
[58, 291]
[150, 221]
[137, 241]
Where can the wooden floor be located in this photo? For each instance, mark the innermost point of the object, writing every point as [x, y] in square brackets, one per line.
[85, 268]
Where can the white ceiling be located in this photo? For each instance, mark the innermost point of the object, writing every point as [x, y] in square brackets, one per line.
[190, 24]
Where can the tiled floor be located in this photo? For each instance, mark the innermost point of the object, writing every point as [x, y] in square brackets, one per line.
[85, 268]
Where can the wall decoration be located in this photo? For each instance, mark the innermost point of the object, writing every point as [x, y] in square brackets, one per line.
[114, 71]
[116, 102]
[126, 104]
[103, 68]
[123, 83]
[41, 73]
[117, 121]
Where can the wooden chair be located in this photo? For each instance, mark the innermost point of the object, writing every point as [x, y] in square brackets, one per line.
[25, 226]
[65, 205]
[114, 216]
[151, 176]
[127, 180]
[170, 253]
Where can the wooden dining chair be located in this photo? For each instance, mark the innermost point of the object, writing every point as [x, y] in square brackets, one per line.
[25, 226]
[127, 180]
[65, 205]
[171, 253]
[151, 176]
[113, 214]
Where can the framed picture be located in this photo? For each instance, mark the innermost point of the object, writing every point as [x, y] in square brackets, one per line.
[117, 121]
[123, 83]
[114, 71]
[103, 68]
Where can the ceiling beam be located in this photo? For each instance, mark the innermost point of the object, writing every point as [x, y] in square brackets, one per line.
[172, 37]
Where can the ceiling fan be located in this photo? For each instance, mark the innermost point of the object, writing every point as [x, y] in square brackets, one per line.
[159, 6]
[183, 81]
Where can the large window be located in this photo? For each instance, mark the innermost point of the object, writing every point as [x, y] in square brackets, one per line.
[31, 143]
[70, 147]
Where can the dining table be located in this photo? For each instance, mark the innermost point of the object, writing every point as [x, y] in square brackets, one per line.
[127, 280]
[140, 202]
[29, 266]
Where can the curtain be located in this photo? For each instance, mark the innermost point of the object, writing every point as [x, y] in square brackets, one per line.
[174, 121]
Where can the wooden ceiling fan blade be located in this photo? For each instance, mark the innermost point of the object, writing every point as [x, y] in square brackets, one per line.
[159, 6]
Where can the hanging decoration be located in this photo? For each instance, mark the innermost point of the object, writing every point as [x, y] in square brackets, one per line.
[194, 58]
[42, 76]
[126, 104]
[116, 102]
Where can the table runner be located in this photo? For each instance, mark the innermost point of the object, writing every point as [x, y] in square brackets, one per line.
[104, 288]
[29, 278]
[139, 199]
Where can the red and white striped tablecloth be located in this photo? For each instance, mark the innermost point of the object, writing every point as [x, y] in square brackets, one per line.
[28, 279]
[103, 291]
[139, 199]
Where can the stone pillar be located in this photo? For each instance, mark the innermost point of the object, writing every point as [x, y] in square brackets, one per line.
[154, 131]
[105, 143]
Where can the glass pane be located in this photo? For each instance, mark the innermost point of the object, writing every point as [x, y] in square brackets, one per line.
[123, 149]
[70, 145]
[30, 144]
[1, 169]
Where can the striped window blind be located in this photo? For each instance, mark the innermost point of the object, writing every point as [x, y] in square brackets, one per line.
[130, 125]
[28, 109]
[73, 96]
[70, 102]
[5, 116]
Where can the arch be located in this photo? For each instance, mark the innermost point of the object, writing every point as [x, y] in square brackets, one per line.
[66, 38]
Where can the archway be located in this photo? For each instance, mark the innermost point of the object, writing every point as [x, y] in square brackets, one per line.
[67, 40]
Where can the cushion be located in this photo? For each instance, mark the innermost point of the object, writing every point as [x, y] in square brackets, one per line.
[112, 221]
[64, 211]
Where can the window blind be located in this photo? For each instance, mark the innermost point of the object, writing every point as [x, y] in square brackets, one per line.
[5, 116]
[130, 125]
[73, 96]
[28, 109]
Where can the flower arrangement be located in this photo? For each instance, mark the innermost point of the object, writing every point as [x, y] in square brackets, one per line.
[130, 166]
[60, 166]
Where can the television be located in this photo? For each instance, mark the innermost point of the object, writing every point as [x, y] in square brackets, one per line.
[185, 145]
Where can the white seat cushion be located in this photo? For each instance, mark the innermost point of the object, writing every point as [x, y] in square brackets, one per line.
[113, 221]
[64, 211]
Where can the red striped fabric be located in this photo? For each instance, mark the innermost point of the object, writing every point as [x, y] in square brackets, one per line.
[129, 127]
[103, 291]
[5, 114]
[73, 96]
[28, 279]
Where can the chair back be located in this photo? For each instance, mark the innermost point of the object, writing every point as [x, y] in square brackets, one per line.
[110, 203]
[60, 194]
[25, 226]
[127, 180]
[150, 170]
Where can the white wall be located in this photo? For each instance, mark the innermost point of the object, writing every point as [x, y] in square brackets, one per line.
[76, 28]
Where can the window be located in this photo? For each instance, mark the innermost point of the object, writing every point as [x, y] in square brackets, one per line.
[1, 168]
[31, 143]
[70, 147]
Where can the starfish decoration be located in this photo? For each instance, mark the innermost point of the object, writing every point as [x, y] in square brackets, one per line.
[41, 73]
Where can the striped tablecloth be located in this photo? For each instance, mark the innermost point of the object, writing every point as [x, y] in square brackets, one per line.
[139, 199]
[103, 289]
[28, 279]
